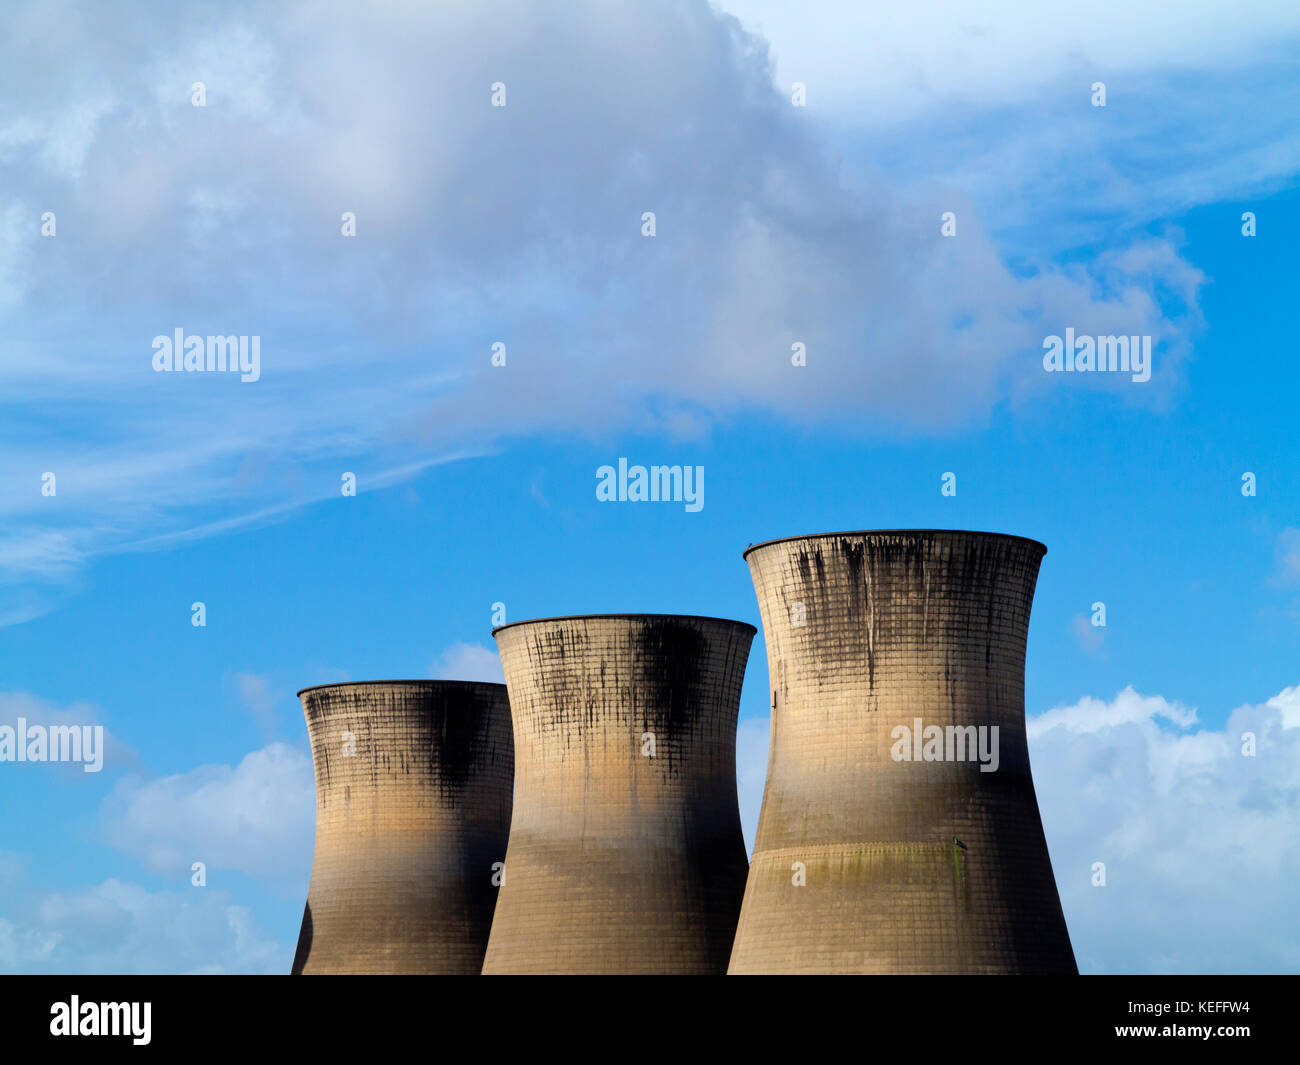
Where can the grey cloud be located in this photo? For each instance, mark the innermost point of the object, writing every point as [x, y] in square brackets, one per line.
[474, 224]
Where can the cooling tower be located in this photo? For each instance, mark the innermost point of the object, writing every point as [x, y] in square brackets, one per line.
[899, 831]
[413, 783]
[626, 854]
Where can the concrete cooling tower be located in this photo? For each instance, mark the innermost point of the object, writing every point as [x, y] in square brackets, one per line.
[413, 782]
[626, 854]
[899, 831]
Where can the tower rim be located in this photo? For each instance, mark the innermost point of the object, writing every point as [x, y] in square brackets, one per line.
[627, 617]
[887, 532]
[422, 682]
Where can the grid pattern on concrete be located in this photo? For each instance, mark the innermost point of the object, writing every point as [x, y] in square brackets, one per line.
[863, 861]
[413, 795]
[626, 853]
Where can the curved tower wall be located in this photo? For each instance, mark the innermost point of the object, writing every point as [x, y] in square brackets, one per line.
[413, 782]
[909, 866]
[623, 857]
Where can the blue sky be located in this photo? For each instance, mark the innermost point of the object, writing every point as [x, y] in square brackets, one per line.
[476, 484]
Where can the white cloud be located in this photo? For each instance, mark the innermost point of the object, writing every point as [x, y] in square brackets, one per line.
[469, 661]
[1199, 841]
[994, 101]
[1092, 715]
[117, 927]
[257, 818]
[1201, 844]
[474, 224]
[1000, 53]
[1287, 704]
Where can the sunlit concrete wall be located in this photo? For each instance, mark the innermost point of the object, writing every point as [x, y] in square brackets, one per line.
[413, 784]
[625, 854]
[867, 861]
